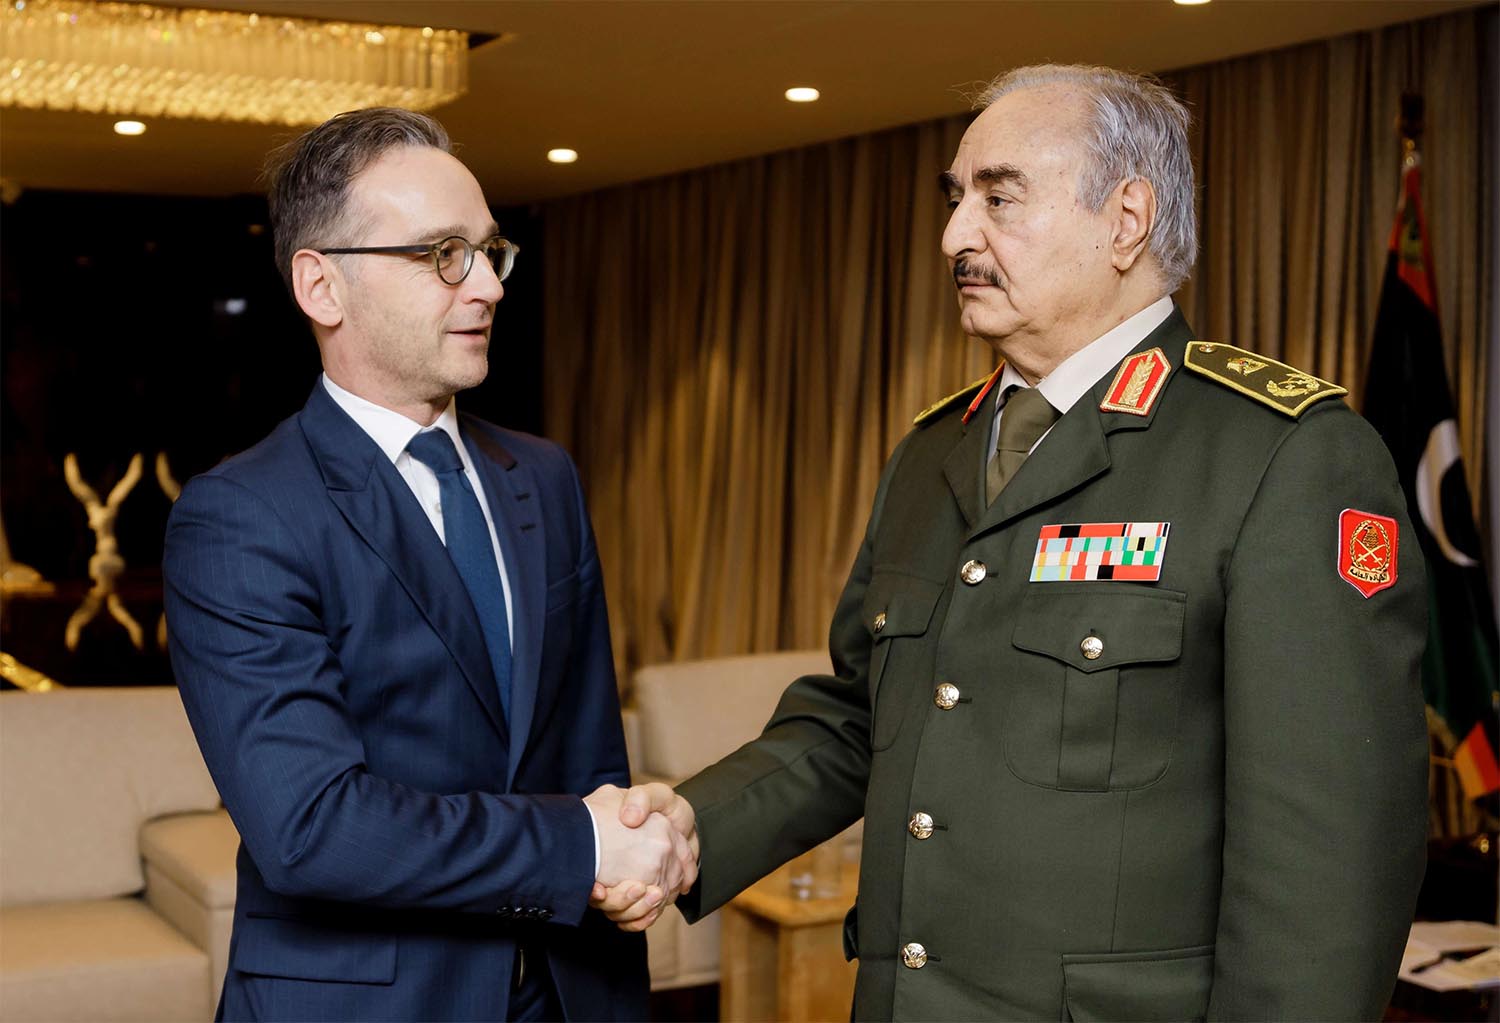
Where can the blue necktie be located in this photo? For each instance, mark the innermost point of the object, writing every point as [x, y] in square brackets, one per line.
[468, 540]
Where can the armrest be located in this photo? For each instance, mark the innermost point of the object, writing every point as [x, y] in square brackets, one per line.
[196, 852]
[190, 881]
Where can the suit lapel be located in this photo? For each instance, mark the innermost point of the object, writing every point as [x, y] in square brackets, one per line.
[510, 489]
[965, 464]
[1076, 449]
[1070, 455]
[380, 507]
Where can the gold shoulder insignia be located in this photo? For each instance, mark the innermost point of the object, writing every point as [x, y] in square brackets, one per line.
[932, 411]
[1282, 387]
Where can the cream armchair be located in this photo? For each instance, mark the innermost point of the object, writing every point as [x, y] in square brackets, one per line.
[116, 864]
[681, 718]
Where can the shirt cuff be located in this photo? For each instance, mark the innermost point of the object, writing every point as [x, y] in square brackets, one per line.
[595, 825]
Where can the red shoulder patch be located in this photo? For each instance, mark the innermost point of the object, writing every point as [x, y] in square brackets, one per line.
[1367, 551]
[1138, 383]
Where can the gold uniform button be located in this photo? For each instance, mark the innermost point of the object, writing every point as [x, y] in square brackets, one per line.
[880, 622]
[913, 956]
[1092, 647]
[973, 572]
[920, 826]
[946, 696]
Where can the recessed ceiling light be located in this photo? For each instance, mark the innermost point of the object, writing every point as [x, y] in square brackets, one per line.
[562, 155]
[802, 94]
[1189, 3]
[129, 128]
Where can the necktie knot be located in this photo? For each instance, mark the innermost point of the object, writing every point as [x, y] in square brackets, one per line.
[436, 450]
[1026, 416]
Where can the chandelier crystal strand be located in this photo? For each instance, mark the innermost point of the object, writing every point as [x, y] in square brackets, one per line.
[138, 59]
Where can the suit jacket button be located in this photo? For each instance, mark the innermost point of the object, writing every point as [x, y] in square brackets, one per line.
[544, 914]
[973, 572]
[920, 826]
[913, 956]
[945, 696]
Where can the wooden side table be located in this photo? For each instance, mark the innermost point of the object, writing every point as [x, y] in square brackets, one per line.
[782, 958]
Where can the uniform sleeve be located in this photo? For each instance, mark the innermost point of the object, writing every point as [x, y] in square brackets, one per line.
[263, 690]
[804, 779]
[1325, 740]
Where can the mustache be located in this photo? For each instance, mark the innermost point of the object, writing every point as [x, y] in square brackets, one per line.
[971, 270]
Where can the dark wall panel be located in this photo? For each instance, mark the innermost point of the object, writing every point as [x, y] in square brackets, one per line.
[159, 324]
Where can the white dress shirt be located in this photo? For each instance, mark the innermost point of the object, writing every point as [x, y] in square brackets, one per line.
[1079, 372]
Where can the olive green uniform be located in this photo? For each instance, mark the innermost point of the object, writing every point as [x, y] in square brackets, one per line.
[1214, 807]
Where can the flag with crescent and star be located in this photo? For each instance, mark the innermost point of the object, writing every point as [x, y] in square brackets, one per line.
[1408, 401]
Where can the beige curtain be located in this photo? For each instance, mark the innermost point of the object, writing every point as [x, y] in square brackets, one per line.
[1299, 162]
[733, 352]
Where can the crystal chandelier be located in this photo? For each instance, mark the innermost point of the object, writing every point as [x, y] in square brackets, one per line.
[134, 58]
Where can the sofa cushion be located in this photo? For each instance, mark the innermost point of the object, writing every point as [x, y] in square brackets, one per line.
[80, 771]
[197, 851]
[693, 713]
[106, 960]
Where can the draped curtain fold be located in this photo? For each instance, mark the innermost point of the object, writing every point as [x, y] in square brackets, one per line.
[732, 353]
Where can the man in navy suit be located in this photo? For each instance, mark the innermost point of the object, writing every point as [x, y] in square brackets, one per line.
[389, 630]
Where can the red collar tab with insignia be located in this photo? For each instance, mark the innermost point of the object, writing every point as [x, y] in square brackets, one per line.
[989, 385]
[1138, 383]
[1367, 551]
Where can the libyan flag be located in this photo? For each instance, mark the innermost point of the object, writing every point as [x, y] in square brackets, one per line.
[1408, 401]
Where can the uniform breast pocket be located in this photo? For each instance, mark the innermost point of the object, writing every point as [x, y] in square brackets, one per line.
[1093, 704]
[897, 611]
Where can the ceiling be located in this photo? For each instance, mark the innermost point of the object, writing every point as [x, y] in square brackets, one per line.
[650, 87]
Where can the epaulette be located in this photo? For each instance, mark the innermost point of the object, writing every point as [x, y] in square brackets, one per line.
[932, 411]
[1284, 388]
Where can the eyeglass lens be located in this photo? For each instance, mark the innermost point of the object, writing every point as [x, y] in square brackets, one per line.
[455, 258]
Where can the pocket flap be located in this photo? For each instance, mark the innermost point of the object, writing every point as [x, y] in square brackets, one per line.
[278, 947]
[905, 601]
[1170, 985]
[1134, 625]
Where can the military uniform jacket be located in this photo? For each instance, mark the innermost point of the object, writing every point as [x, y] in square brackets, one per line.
[1202, 796]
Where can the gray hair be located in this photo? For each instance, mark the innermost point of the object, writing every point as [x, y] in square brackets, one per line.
[1137, 129]
[309, 176]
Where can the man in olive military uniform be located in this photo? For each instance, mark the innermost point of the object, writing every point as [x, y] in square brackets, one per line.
[1126, 670]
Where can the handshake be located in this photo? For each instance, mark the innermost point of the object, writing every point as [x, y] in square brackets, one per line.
[648, 852]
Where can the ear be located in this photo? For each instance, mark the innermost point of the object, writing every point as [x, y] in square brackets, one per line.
[318, 286]
[1136, 212]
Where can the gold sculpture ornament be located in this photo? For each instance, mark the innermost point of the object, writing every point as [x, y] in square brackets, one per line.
[173, 490]
[106, 566]
[17, 579]
[25, 677]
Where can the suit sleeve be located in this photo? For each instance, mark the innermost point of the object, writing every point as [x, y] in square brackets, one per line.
[595, 711]
[263, 689]
[1325, 740]
[803, 780]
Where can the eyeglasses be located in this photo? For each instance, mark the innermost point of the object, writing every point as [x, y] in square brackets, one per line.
[446, 255]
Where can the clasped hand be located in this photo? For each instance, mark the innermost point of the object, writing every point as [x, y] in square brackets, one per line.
[648, 852]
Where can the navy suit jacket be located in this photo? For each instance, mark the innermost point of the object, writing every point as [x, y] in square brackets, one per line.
[399, 837]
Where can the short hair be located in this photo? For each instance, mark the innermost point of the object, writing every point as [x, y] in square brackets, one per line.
[1136, 128]
[308, 178]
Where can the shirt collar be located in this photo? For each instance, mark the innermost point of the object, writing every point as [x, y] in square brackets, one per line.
[1083, 369]
[391, 431]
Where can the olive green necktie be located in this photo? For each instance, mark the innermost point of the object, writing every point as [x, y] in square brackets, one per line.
[1023, 420]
